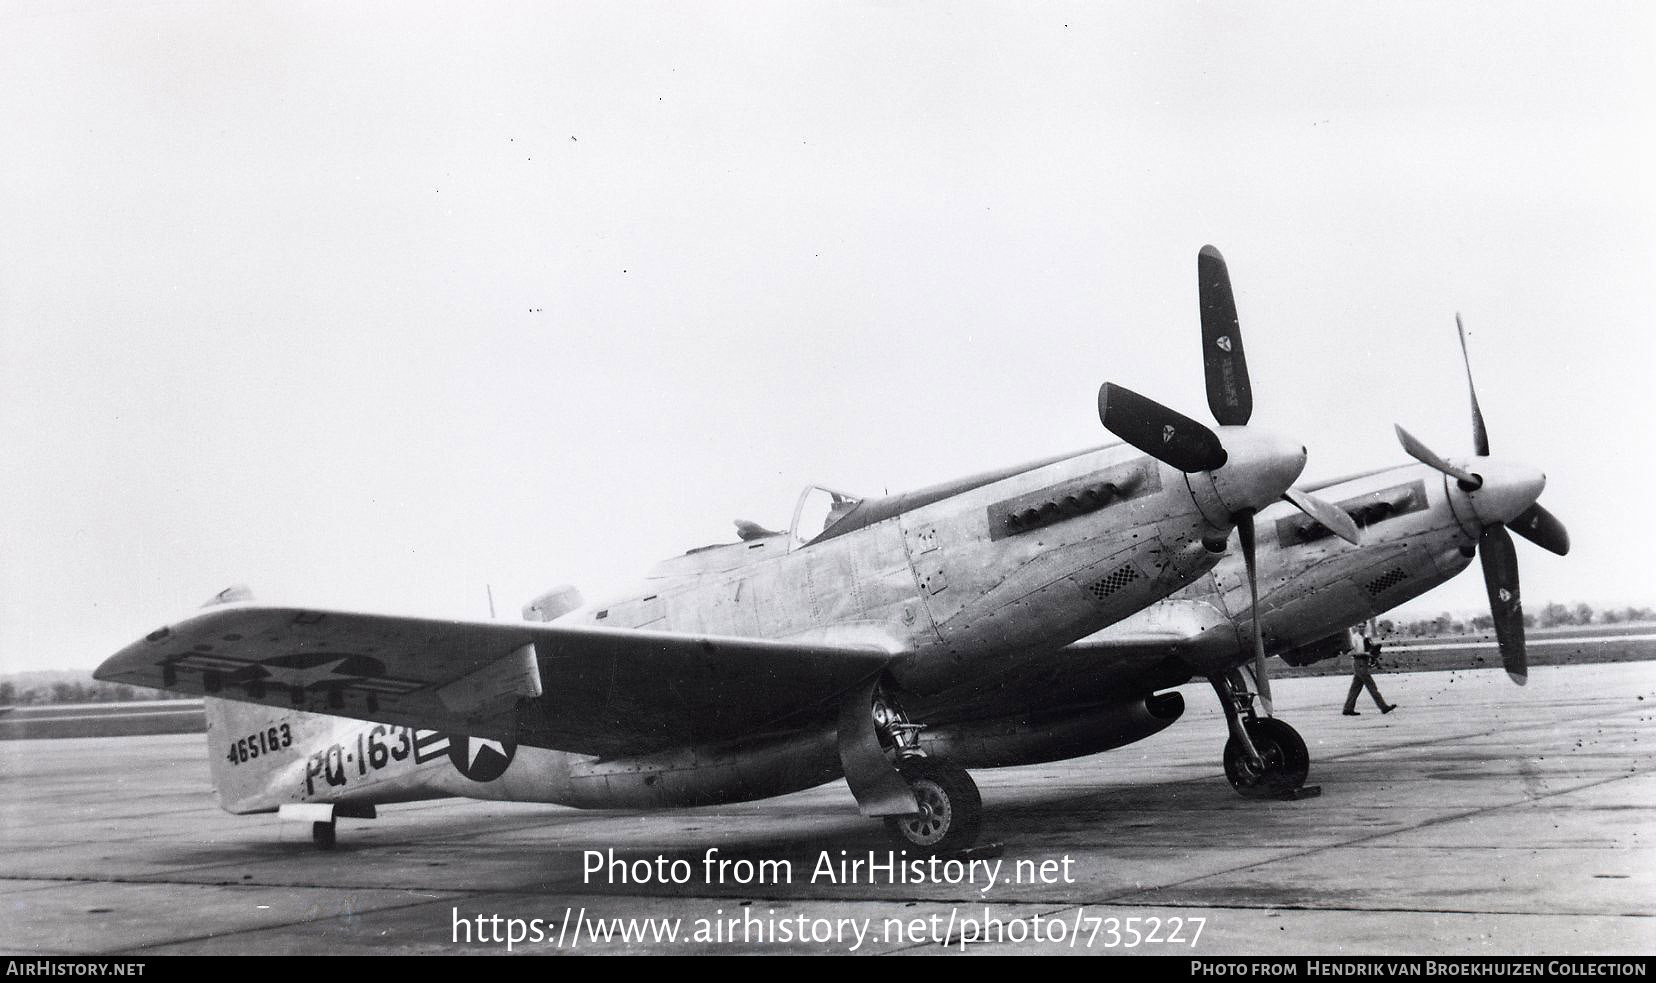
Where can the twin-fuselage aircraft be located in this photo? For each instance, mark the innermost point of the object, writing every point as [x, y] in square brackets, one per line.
[1030, 614]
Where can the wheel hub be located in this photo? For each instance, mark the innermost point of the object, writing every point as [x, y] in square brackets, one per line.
[931, 823]
[947, 808]
[1270, 759]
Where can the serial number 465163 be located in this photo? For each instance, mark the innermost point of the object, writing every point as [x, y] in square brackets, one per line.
[264, 742]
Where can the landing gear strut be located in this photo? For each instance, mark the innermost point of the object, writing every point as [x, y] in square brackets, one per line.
[950, 808]
[1264, 758]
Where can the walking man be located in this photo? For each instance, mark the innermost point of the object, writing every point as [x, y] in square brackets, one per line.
[1363, 663]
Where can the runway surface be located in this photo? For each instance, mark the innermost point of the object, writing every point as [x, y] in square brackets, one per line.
[1480, 818]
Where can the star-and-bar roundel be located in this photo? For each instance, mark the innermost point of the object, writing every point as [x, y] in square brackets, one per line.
[302, 672]
[480, 759]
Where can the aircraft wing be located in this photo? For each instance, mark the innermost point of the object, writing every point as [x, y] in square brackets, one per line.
[604, 691]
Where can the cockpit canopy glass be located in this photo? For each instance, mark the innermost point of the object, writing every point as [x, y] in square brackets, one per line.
[818, 509]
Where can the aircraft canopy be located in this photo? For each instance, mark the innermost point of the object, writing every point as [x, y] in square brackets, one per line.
[818, 509]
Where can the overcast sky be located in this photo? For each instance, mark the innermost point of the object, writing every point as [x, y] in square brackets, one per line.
[370, 305]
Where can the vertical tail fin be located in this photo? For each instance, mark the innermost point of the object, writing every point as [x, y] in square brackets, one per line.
[258, 754]
[252, 749]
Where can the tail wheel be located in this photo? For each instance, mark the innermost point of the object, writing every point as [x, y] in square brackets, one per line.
[1282, 751]
[951, 811]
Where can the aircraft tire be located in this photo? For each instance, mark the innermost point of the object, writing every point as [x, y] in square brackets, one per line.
[322, 834]
[1287, 761]
[951, 811]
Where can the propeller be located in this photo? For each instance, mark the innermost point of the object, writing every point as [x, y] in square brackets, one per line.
[1336, 520]
[1164, 434]
[1424, 454]
[1480, 436]
[1183, 443]
[1229, 393]
[1540, 527]
[1502, 497]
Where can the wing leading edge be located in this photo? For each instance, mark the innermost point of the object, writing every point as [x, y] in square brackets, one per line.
[590, 690]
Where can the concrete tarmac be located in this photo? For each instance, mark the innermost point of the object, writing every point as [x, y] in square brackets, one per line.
[1478, 819]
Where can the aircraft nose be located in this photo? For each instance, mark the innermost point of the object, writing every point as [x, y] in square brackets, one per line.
[1507, 490]
[1260, 466]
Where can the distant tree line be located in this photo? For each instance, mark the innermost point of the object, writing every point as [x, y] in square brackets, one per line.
[1551, 615]
[69, 691]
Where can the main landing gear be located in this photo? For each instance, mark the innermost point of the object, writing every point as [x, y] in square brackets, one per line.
[1264, 758]
[930, 805]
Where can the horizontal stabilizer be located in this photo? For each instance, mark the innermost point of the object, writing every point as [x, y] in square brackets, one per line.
[553, 604]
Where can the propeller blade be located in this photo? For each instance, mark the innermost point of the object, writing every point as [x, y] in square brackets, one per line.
[1336, 520]
[1245, 532]
[1542, 528]
[1480, 436]
[1424, 455]
[1229, 394]
[1169, 437]
[1500, 566]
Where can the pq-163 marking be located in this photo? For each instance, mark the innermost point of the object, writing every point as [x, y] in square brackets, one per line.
[371, 754]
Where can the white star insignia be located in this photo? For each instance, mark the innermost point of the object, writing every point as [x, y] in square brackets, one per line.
[288, 676]
[475, 746]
